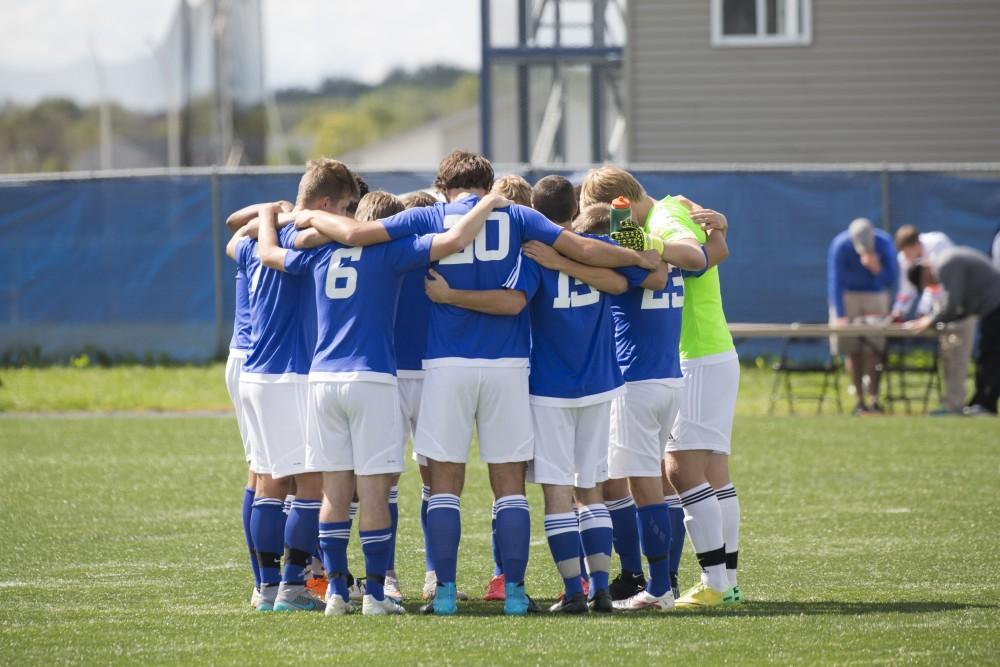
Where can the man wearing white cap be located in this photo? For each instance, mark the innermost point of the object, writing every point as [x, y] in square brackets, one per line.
[861, 269]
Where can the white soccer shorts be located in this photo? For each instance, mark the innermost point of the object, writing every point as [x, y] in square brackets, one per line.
[571, 445]
[274, 408]
[234, 366]
[706, 417]
[641, 420]
[494, 399]
[354, 426]
[410, 390]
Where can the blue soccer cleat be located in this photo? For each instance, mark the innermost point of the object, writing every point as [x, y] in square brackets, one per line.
[517, 602]
[444, 602]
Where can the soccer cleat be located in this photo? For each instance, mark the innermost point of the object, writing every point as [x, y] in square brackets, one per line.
[430, 585]
[356, 588]
[627, 584]
[601, 603]
[443, 603]
[644, 600]
[732, 597]
[585, 583]
[699, 597]
[391, 589]
[338, 606]
[296, 597]
[317, 586]
[267, 596]
[516, 601]
[385, 607]
[255, 597]
[495, 589]
[573, 605]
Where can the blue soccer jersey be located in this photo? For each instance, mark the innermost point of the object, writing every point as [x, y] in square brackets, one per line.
[413, 313]
[241, 318]
[460, 337]
[648, 331]
[283, 330]
[355, 295]
[573, 360]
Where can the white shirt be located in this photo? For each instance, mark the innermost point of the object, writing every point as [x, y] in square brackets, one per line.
[934, 243]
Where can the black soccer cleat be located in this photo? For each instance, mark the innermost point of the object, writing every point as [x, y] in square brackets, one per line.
[601, 602]
[577, 604]
[627, 584]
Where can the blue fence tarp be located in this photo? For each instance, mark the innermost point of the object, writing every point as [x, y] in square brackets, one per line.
[127, 266]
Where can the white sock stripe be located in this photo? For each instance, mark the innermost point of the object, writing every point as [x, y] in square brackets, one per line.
[259, 502]
[372, 539]
[551, 532]
[560, 523]
[693, 499]
[620, 504]
[594, 510]
[595, 521]
[340, 533]
[444, 501]
[514, 506]
[506, 500]
[425, 492]
[307, 504]
[672, 501]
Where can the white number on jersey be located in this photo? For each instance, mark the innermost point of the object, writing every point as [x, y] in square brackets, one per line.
[571, 297]
[255, 278]
[478, 249]
[666, 298]
[348, 274]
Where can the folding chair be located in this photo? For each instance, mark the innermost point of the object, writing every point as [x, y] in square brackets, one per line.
[786, 367]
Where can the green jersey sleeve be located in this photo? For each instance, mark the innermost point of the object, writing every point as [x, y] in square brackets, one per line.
[671, 221]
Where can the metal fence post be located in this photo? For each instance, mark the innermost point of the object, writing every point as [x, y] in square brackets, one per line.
[886, 209]
[220, 336]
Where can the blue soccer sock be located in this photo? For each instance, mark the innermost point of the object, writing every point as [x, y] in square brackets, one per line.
[267, 531]
[494, 545]
[562, 533]
[300, 538]
[425, 495]
[333, 539]
[248, 498]
[394, 519]
[596, 535]
[625, 534]
[375, 546]
[513, 536]
[677, 534]
[654, 534]
[444, 527]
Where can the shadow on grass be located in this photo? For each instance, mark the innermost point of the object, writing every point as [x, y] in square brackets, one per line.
[757, 608]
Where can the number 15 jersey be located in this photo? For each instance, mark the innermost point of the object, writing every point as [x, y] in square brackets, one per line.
[460, 337]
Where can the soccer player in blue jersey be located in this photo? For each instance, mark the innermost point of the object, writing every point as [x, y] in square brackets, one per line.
[476, 363]
[274, 393]
[353, 423]
[239, 347]
[647, 334]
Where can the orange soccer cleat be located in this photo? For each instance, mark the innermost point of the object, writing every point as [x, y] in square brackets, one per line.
[495, 590]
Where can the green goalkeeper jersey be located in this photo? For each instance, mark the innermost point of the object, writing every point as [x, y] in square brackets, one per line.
[704, 330]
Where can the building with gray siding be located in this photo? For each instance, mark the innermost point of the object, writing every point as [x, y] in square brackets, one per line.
[750, 81]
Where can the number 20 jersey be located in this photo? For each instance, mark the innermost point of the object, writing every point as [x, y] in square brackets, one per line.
[648, 331]
[460, 337]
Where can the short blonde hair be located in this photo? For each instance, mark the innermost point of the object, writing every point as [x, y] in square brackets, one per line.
[593, 219]
[326, 177]
[418, 198]
[602, 184]
[378, 205]
[514, 188]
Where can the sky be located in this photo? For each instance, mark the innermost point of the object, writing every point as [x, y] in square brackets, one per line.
[306, 40]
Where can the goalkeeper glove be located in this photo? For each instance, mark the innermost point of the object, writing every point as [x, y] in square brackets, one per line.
[632, 236]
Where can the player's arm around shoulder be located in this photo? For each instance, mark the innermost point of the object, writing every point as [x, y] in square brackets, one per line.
[272, 255]
[464, 232]
[341, 228]
[489, 302]
[247, 214]
[603, 279]
[597, 253]
[716, 226]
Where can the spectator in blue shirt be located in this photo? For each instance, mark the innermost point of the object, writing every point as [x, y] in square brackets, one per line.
[861, 272]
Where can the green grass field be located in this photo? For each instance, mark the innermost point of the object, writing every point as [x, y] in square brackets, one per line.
[864, 540]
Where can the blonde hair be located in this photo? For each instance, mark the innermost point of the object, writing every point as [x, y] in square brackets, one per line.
[593, 219]
[325, 177]
[378, 205]
[602, 184]
[418, 198]
[514, 188]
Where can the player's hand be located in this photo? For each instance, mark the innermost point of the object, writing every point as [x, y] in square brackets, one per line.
[708, 219]
[437, 287]
[497, 201]
[303, 219]
[650, 259]
[544, 254]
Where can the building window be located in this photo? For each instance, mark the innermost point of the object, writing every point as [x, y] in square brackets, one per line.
[761, 22]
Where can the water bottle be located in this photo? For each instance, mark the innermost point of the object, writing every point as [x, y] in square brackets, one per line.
[621, 211]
